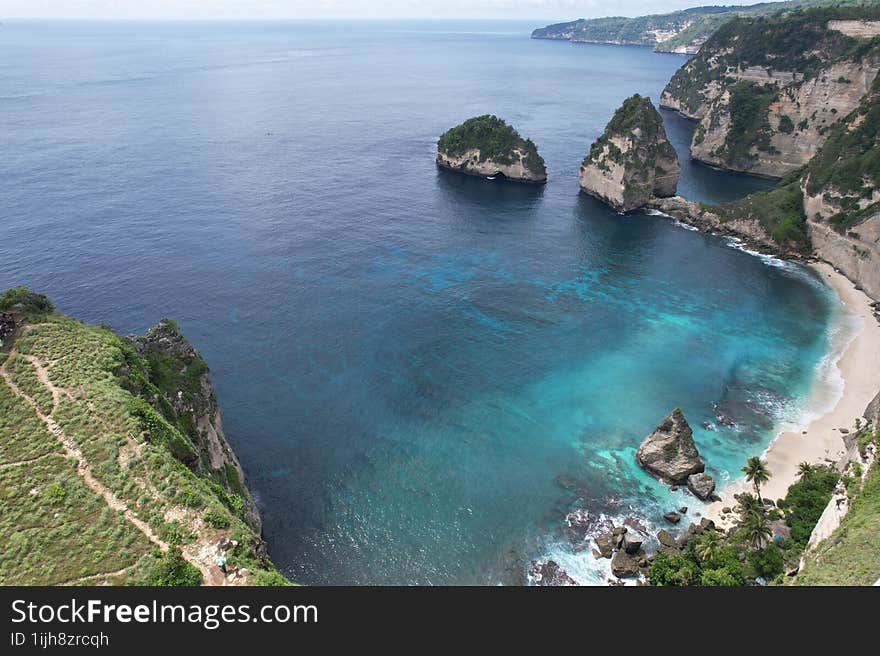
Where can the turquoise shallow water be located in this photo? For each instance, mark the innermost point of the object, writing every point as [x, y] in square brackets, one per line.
[407, 360]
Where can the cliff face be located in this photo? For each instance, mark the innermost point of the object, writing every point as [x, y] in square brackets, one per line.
[188, 401]
[516, 167]
[486, 146]
[842, 197]
[632, 161]
[767, 92]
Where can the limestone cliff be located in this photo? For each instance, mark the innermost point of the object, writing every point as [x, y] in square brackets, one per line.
[842, 197]
[633, 161]
[767, 91]
[188, 400]
[486, 146]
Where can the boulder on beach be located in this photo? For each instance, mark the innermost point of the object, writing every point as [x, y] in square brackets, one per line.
[669, 452]
[702, 485]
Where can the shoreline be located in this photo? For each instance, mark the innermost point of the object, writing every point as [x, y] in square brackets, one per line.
[821, 439]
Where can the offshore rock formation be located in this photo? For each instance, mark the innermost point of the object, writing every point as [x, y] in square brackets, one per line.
[189, 395]
[633, 161]
[486, 146]
[767, 109]
[669, 452]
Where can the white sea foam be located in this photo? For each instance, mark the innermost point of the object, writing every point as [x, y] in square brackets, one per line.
[828, 383]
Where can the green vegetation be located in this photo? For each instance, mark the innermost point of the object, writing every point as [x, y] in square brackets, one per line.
[55, 529]
[851, 556]
[805, 502]
[749, 125]
[25, 301]
[756, 473]
[170, 569]
[780, 211]
[705, 561]
[495, 140]
[751, 550]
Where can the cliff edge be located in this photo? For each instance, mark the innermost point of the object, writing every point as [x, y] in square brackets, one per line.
[114, 461]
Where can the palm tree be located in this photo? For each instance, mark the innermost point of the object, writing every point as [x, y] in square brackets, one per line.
[756, 472]
[756, 530]
[747, 504]
[804, 470]
[708, 545]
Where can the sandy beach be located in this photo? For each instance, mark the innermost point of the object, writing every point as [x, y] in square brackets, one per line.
[821, 440]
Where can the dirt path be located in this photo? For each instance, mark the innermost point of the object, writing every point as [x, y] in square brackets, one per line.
[18, 463]
[93, 577]
[83, 468]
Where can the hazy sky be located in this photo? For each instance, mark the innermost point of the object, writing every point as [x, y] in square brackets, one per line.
[171, 9]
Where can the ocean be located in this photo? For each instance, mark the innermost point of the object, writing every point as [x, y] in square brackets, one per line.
[422, 373]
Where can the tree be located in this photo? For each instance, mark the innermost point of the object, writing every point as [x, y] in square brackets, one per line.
[756, 472]
[755, 529]
[746, 504]
[707, 546]
[804, 470]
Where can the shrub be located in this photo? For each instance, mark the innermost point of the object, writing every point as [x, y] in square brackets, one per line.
[270, 579]
[805, 502]
[26, 301]
[768, 562]
[171, 569]
[216, 518]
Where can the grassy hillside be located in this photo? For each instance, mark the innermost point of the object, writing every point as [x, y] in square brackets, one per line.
[851, 556]
[97, 484]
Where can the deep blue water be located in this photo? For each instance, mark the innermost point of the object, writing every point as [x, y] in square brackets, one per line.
[407, 359]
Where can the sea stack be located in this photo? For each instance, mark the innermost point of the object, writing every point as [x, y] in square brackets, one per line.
[633, 161]
[486, 146]
[669, 452]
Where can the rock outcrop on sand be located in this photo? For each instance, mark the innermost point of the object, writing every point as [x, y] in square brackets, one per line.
[486, 146]
[669, 452]
[633, 161]
[701, 485]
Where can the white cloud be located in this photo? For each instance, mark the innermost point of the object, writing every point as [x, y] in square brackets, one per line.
[194, 9]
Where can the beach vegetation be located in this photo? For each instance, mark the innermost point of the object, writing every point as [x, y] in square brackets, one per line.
[756, 473]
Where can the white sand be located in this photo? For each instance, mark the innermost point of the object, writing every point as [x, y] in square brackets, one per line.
[859, 366]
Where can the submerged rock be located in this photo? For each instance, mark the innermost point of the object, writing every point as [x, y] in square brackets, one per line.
[633, 160]
[550, 574]
[672, 517]
[669, 452]
[702, 485]
[486, 146]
